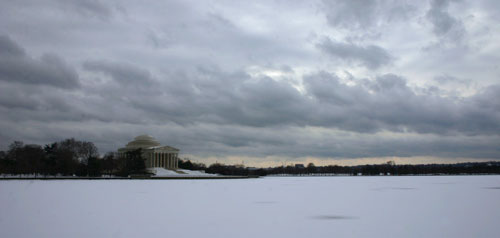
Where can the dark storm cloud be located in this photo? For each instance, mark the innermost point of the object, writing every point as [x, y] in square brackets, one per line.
[370, 56]
[209, 95]
[123, 73]
[9, 48]
[444, 24]
[249, 78]
[16, 66]
[388, 103]
[238, 114]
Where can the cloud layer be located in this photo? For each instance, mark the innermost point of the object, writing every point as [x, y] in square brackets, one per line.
[328, 80]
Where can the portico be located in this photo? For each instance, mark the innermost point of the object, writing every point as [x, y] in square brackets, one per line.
[154, 154]
[162, 157]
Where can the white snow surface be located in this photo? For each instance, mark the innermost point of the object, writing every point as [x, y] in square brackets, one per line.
[385, 206]
[161, 172]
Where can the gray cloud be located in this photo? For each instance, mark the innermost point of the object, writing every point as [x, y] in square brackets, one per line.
[448, 79]
[363, 15]
[16, 66]
[240, 79]
[88, 8]
[445, 25]
[9, 48]
[236, 109]
[388, 103]
[370, 56]
[351, 14]
[384, 103]
[122, 73]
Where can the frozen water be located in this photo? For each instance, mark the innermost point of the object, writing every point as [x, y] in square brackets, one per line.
[425, 206]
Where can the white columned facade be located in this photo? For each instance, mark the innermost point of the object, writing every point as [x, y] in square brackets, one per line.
[159, 159]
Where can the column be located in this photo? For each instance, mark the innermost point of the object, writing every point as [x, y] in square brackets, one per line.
[168, 156]
[163, 160]
[170, 160]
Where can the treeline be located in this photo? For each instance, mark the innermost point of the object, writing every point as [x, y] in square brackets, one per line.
[68, 157]
[389, 168]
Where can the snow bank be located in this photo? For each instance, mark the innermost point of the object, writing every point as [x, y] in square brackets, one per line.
[162, 172]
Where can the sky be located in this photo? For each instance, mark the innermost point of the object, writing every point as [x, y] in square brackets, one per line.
[257, 82]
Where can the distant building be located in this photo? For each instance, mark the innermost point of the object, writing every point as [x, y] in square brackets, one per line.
[154, 154]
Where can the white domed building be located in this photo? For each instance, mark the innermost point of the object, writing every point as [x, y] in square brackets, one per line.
[155, 155]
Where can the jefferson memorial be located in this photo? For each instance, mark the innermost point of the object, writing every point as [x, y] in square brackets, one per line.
[154, 154]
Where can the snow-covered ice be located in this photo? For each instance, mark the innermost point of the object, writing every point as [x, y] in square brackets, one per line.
[426, 206]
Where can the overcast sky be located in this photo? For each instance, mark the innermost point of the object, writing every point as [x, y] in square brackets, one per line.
[263, 82]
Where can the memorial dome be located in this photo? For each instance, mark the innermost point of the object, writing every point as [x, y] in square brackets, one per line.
[142, 141]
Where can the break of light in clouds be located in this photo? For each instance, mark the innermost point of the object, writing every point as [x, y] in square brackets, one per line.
[264, 82]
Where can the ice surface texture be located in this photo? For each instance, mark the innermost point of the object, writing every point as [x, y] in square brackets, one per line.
[426, 206]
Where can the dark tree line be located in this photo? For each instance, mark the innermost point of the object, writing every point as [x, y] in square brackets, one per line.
[389, 168]
[187, 164]
[132, 163]
[68, 157]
